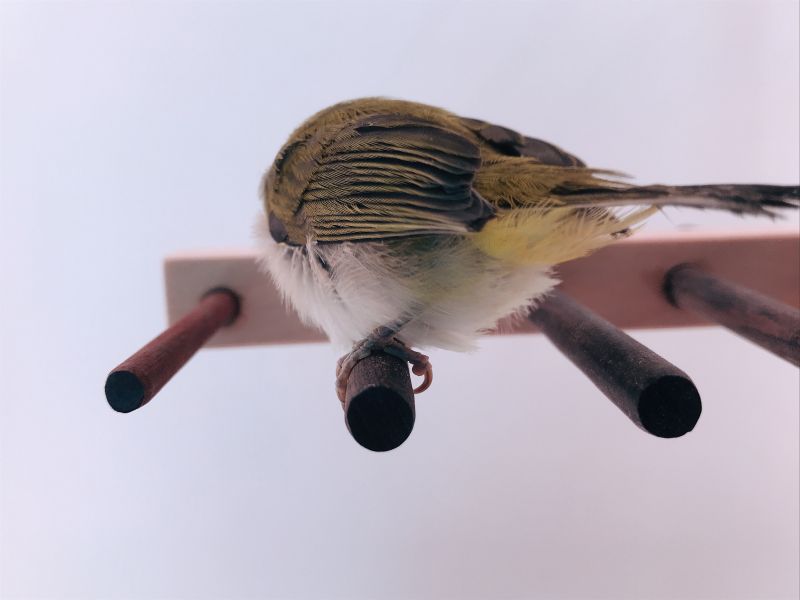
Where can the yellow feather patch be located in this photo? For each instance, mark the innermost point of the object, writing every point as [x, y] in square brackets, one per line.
[549, 235]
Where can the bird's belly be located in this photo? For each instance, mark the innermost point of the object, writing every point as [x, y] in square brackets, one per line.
[440, 291]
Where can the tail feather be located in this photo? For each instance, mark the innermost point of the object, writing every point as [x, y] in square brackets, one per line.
[547, 215]
[755, 199]
[517, 182]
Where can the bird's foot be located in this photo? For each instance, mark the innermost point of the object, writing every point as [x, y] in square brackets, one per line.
[420, 363]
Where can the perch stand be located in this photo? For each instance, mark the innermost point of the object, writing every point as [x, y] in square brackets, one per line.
[747, 282]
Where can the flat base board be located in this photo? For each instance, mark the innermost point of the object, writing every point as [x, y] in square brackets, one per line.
[621, 282]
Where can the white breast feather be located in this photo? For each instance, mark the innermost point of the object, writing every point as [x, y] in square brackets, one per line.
[449, 296]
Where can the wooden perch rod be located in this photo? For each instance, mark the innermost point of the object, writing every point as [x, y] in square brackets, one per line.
[135, 381]
[653, 393]
[770, 324]
[379, 403]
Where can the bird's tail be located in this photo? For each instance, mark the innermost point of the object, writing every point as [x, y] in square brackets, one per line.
[548, 216]
[754, 199]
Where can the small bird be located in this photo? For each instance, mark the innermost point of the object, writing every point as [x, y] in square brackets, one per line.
[394, 225]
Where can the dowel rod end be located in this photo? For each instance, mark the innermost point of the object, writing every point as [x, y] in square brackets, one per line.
[134, 382]
[125, 392]
[669, 406]
[379, 404]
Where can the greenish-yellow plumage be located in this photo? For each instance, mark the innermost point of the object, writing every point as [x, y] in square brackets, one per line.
[395, 224]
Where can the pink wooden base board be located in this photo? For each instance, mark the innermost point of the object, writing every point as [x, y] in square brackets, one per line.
[621, 282]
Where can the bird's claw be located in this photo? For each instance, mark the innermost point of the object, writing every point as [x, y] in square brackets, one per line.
[423, 369]
[420, 363]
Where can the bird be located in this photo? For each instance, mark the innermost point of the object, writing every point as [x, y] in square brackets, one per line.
[396, 226]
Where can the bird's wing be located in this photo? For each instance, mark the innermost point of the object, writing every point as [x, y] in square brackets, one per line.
[394, 176]
[510, 143]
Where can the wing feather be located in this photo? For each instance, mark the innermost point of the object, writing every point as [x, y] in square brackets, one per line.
[510, 143]
[393, 176]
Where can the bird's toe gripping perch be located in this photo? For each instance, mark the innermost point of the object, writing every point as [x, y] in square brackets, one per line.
[380, 341]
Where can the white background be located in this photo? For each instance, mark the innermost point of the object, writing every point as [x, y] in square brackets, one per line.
[132, 130]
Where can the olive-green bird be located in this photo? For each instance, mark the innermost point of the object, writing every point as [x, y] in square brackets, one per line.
[394, 225]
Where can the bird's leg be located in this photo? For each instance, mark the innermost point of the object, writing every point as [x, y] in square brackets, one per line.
[382, 339]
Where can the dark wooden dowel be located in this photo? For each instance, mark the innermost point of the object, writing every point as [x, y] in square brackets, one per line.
[653, 393]
[770, 324]
[134, 382]
[379, 405]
